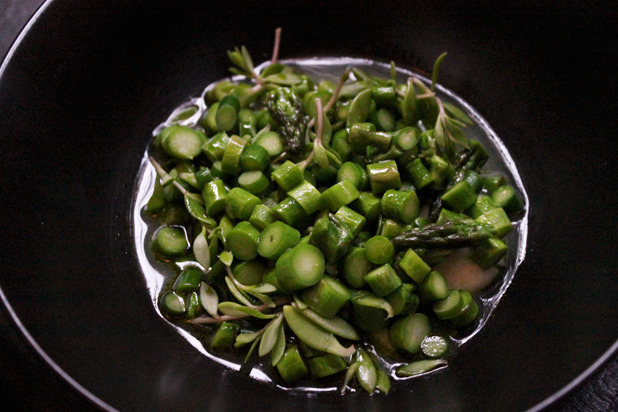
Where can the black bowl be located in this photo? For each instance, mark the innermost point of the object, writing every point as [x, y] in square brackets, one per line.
[85, 85]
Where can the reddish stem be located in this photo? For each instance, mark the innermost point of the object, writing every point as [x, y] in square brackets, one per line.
[276, 46]
[335, 96]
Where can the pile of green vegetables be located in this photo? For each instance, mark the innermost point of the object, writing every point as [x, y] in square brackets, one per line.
[307, 217]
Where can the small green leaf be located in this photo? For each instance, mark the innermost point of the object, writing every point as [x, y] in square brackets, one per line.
[247, 59]
[360, 74]
[409, 105]
[245, 338]
[252, 349]
[369, 299]
[251, 290]
[166, 178]
[157, 199]
[209, 298]
[283, 79]
[262, 288]
[312, 334]
[234, 70]
[226, 257]
[457, 113]
[350, 90]
[366, 374]
[300, 304]
[279, 349]
[195, 208]
[320, 155]
[235, 57]
[334, 157]
[235, 309]
[350, 373]
[359, 108]
[456, 134]
[335, 325]
[383, 383]
[201, 249]
[238, 294]
[189, 178]
[272, 69]
[265, 299]
[436, 70]
[270, 336]
[418, 367]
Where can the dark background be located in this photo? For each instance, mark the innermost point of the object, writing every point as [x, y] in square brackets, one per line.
[28, 383]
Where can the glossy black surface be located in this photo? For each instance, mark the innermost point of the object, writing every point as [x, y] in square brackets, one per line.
[90, 81]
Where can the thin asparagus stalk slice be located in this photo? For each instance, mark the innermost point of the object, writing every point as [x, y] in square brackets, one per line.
[449, 235]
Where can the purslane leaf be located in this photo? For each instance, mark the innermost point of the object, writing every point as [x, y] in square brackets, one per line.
[350, 373]
[201, 251]
[235, 309]
[436, 70]
[238, 294]
[209, 298]
[245, 338]
[279, 349]
[335, 325]
[270, 336]
[457, 113]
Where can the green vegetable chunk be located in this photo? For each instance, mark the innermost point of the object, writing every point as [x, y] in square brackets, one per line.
[262, 216]
[489, 252]
[401, 205]
[379, 250]
[326, 365]
[408, 333]
[275, 239]
[332, 237]
[240, 203]
[356, 266]
[383, 280]
[506, 198]
[188, 280]
[354, 221]
[433, 288]
[353, 172]
[170, 241]
[291, 367]
[242, 241]
[435, 347]
[288, 176]
[300, 267]
[224, 336]
[368, 205]
[340, 194]
[172, 304]
[414, 266]
[370, 311]
[327, 297]
[383, 176]
[254, 157]
[307, 196]
[214, 195]
[289, 211]
[182, 142]
[460, 196]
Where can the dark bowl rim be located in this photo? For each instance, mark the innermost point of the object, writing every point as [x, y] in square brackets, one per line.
[576, 382]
